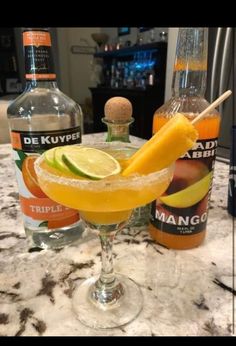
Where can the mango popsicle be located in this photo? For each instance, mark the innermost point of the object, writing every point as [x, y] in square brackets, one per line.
[173, 140]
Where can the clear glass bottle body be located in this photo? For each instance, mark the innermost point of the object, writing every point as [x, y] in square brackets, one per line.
[118, 130]
[44, 108]
[180, 222]
[40, 118]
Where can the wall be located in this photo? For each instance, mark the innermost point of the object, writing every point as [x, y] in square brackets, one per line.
[75, 68]
[113, 35]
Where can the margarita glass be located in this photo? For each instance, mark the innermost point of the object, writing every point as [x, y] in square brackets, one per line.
[105, 205]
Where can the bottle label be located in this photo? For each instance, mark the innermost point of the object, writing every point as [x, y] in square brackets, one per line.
[38, 57]
[183, 208]
[38, 210]
[38, 141]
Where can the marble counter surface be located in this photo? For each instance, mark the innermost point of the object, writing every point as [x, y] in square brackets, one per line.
[185, 292]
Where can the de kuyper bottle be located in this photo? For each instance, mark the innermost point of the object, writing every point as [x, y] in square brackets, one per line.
[179, 218]
[42, 117]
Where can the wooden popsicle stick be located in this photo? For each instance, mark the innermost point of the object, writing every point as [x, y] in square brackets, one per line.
[212, 106]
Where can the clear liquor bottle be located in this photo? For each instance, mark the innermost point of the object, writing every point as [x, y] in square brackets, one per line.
[42, 117]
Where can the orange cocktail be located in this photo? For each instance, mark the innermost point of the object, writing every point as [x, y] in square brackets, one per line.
[106, 201]
[105, 205]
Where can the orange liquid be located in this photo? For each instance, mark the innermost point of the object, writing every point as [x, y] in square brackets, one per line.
[102, 206]
[208, 128]
[190, 64]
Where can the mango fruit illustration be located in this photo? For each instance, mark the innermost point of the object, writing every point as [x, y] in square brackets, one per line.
[189, 196]
[188, 173]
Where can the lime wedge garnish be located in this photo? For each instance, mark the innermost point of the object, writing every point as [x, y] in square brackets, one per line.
[90, 162]
[53, 158]
[59, 163]
[49, 157]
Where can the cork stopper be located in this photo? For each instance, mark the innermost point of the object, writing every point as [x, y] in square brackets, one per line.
[118, 109]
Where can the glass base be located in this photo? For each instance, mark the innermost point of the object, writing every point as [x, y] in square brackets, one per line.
[118, 313]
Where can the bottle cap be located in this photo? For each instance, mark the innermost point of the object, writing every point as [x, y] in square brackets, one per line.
[118, 109]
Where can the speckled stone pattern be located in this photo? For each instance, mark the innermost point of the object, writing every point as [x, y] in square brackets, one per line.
[185, 292]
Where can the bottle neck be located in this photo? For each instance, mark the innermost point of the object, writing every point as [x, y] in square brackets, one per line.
[117, 131]
[39, 67]
[33, 84]
[189, 83]
[190, 68]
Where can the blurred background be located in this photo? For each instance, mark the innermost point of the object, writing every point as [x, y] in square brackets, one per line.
[94, 64]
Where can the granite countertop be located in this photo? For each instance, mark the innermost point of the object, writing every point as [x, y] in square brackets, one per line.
[185, 292]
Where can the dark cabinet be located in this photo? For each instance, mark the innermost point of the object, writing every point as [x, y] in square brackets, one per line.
[144, 102]
[9, 71]
[137, 73]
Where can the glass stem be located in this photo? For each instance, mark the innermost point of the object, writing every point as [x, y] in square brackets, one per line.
[107, 289]
[107, 273]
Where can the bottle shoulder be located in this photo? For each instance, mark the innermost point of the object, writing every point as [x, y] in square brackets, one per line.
[43, 100]
[189, 105]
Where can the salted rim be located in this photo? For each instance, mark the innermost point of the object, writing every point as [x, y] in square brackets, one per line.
[104, 184]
